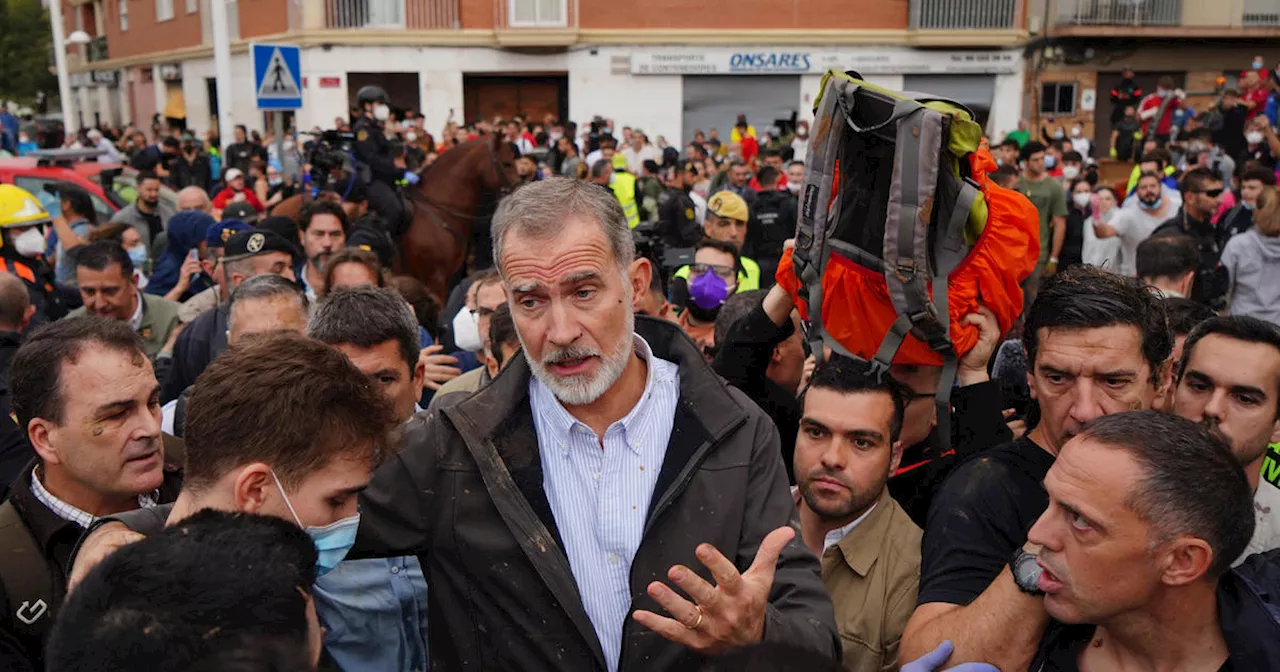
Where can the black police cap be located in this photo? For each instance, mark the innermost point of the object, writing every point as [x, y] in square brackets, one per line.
[255, 242]
[372, 240]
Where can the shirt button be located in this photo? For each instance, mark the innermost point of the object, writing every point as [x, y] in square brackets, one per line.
[395, 570]
[613, 558]
[596, 475]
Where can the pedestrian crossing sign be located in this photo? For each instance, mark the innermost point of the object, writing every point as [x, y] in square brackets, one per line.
[277, 72]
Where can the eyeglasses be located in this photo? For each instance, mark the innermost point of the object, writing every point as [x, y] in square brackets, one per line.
[726, 272]
[1211, 193]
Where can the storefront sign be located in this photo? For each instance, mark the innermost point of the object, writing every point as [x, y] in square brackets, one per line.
[783, 61]
[107, 77]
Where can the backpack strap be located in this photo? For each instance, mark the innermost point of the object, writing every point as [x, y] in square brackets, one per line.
[180, 414]
[25, 576]
[812, 250]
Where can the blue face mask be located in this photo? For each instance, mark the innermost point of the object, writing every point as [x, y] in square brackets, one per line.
[138, 255]
[1153, 205]
[332, 541]
[1049, 161]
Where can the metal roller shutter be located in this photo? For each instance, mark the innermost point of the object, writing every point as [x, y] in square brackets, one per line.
[716, 101]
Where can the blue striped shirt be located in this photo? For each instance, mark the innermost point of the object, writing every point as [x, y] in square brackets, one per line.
[600, 497]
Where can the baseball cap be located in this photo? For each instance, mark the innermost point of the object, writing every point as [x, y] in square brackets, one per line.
[242, 211]
[254, 242]
[729, 205]
[218, 234]
[372, 240]
[233, 174]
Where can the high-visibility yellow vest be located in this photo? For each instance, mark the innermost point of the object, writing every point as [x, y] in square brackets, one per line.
[624, 188]
[748, 277]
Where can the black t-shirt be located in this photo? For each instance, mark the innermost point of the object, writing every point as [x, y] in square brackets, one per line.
[983, 512]
[154, 225]
[1126, 128]
[1261, 154]
[1062, 645]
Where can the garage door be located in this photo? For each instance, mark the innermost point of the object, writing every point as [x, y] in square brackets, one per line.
[715, 102]
[975, 91]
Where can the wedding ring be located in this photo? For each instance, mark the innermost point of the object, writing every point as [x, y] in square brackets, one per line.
[698, 622]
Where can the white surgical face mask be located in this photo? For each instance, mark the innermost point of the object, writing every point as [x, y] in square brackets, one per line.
[381, 112]
[793, 187]
[466, 331]
[1253, 137]
[1075, 132]
[1070, 172]
[30, 243]
[1081, 199]
[410, 137]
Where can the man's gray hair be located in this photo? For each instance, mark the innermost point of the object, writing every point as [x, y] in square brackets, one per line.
[366, 317]
[266, 288]
[539, 211]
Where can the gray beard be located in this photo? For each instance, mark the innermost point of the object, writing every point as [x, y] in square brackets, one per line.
[580, 390]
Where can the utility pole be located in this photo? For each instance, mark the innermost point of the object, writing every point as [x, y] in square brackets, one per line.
[70, 121]
[221, 71]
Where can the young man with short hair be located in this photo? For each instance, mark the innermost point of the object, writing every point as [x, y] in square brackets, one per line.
[1168, 264]
[1240, 218]
[1050, 200]
[1201, 195]
[220, 591]
[847, 447]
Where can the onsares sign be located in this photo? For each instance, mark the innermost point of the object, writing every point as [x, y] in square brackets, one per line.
[868, 61]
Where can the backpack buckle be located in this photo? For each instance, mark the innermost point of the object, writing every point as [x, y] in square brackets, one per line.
[906, 270]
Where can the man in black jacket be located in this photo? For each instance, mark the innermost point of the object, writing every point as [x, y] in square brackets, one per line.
[191, 168]
[520, 533]
[677, 213]
[1201, 193]
[774, 213]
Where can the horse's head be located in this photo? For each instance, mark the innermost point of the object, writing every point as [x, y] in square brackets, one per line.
[500, 177]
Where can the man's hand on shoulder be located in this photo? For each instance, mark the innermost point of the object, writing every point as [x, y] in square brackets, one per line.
[100, 543]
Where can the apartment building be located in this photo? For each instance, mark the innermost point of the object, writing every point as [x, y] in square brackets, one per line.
[666, 66]
[1081, 48]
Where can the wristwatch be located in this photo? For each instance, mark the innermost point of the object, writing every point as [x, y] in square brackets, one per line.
[1026, 572]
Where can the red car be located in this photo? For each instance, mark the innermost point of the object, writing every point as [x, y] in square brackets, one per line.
[111, 186]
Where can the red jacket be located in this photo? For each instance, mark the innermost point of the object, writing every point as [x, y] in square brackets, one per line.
[225, 196]
[1165, 124]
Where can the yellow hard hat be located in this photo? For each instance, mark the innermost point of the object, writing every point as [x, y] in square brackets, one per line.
[18, 208]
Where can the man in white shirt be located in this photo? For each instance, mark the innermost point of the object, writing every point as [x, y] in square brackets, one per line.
[640, 151]
[1134, 226]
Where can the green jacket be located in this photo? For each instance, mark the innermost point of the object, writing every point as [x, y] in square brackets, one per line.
[159, 319]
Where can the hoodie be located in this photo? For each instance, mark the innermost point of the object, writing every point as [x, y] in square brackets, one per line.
[187, 229]
[1253, 262]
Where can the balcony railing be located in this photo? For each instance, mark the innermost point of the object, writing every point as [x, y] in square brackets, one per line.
[96, 50]
[1261, 13]
[963, 14]
[1120, 12]
[392, 14]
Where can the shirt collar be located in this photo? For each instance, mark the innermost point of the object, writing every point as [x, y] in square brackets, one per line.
[562, 422]
[135, 321]
[834, 536]
[75, 514]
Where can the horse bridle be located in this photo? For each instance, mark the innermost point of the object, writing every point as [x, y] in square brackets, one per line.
[421, 201]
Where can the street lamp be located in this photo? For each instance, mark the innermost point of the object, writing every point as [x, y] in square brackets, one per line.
[69, 121]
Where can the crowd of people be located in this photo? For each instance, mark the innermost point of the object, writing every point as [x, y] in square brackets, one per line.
[235, 440]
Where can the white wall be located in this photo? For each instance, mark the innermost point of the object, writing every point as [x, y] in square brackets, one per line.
[1006, 108]
[243, 109]
[652, 103]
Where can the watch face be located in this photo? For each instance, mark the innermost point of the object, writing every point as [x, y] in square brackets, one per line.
[1028, 572]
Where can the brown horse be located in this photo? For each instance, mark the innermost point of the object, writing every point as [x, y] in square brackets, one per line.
[444, 206]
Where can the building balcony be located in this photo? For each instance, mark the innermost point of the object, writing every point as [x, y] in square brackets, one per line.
[1165, 18]
[391, 14]
[966, 22]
